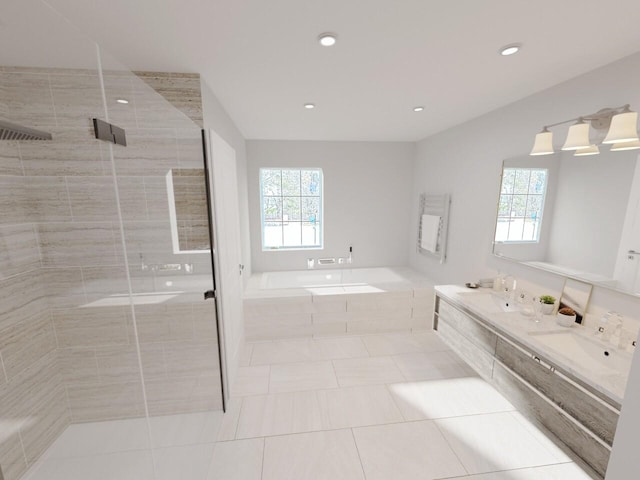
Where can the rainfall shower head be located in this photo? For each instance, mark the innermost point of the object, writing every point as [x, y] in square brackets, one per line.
[11, 131]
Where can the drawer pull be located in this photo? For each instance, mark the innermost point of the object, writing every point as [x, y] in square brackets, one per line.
[536, 358]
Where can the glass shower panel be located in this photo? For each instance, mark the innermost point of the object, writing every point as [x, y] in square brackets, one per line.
[161, 187]
[108, 356]
[65, 320]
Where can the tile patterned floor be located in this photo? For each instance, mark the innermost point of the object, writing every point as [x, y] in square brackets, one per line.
[413, 408]
[371, 407]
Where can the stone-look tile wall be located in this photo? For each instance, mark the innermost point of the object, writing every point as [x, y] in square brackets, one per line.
[67, 344]
[191, 214]
[33, 403]
[177, 337]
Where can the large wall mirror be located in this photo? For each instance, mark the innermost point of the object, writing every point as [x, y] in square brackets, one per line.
[578, 216]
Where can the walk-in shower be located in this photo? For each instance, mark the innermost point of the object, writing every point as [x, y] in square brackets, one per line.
[108, 368]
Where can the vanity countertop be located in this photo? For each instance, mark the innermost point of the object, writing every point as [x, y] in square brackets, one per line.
[513, 325]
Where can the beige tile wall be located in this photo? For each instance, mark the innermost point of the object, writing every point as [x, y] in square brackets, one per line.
[191, 213]
[67, 338]
[269, 317]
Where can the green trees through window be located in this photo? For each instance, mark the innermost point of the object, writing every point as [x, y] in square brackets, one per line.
[521, 203]
[291, 208]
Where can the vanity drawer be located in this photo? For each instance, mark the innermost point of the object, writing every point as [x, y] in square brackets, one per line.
[474, 356]
[527, 400]
[581, 405]
[467, 326]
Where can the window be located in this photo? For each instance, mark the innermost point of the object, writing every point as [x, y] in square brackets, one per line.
[291, 208]
[521, 204]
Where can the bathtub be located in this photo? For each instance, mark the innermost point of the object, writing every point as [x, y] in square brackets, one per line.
[330, 302]
[333, 278]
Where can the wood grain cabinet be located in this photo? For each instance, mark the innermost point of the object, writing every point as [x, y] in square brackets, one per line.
[584, 420]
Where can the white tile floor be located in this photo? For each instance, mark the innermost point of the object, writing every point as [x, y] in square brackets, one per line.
[183, 447]
[375, 407]
[404, 407]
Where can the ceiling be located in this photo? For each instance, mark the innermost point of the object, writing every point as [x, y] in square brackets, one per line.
[262, 60]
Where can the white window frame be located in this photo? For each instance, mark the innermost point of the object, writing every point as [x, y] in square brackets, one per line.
[511, 217]
[319, 218]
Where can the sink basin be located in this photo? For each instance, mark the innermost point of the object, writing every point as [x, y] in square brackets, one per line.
[587, 353]
[490, 302]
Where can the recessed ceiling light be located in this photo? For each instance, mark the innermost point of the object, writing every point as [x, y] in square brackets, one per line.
[418, 109]
[124, 101]
[510, 49]
[309, 106]
[327, 39]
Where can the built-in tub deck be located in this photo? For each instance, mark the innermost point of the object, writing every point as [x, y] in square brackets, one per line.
[336, 302]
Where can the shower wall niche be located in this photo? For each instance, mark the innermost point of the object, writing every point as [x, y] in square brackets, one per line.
[99, 318]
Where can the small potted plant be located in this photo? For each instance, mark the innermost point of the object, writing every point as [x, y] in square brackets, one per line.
[566, 317]
[548, 302]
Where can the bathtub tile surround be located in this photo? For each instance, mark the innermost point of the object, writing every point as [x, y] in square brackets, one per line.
[334, 302]
[451, 426]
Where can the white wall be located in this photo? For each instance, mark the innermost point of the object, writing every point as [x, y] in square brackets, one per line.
[591, 204]
[627, 271]
[365, 200]
[466, 162]
[216, 118]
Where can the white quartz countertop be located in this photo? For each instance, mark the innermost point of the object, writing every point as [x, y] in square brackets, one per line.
[527, 332]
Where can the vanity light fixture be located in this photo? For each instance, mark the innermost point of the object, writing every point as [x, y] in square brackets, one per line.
[327, 39]
[578, 136]
[418, 109]
[622, 146]
[544, 143]
[309, 106]
[510, 49]
[622, 127]
[583, 152]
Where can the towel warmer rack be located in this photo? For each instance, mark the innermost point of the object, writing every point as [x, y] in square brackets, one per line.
[435, 205]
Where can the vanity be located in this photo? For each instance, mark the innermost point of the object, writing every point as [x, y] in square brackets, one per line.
[563, 378]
